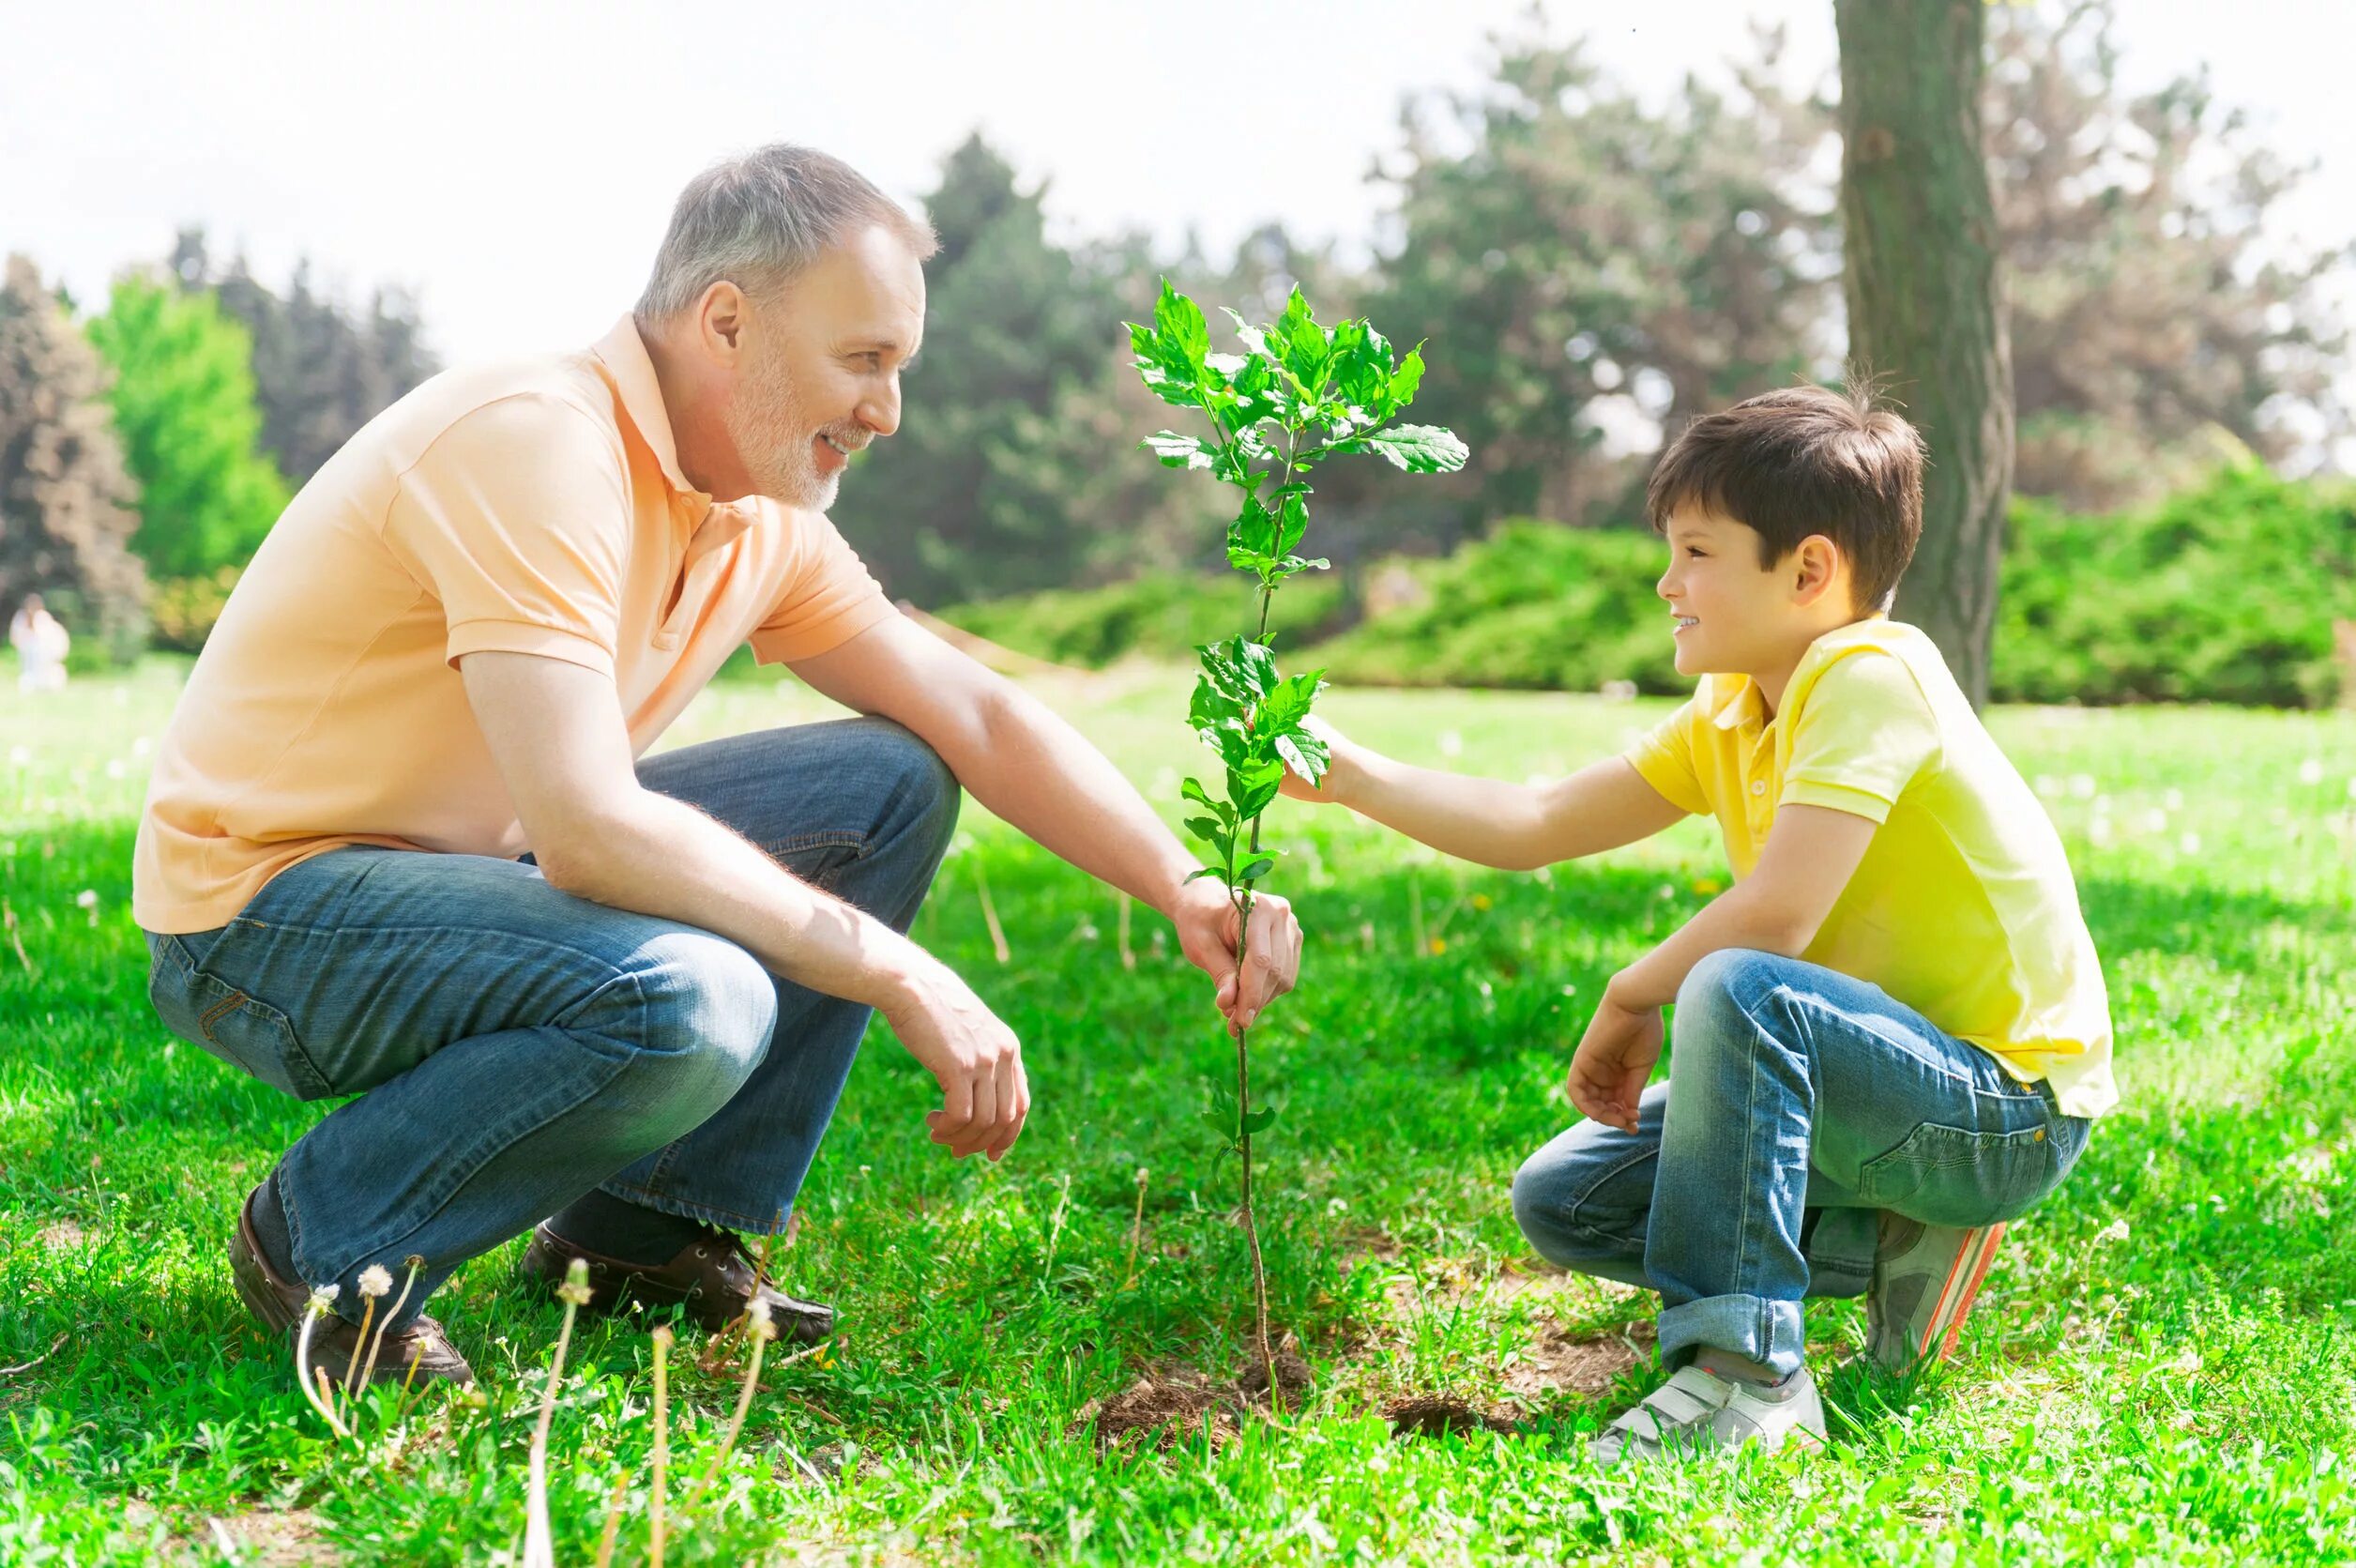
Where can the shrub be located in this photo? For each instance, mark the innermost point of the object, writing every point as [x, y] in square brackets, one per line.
[1166, 616]
[183, 609]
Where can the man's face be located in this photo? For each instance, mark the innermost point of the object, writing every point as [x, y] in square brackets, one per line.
[1733, 616]
[823, 359]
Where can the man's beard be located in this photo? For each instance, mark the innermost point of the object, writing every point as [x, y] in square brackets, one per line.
[773, 439]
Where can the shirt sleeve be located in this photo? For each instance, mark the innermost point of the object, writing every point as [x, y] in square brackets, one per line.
[518, 520]
[1864, 733]
[829, 597]
[1664, 760]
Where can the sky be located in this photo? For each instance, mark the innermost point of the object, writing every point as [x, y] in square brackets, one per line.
[512, 165]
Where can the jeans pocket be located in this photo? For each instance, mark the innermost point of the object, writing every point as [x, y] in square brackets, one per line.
[242, 1029]
[1957, 1176]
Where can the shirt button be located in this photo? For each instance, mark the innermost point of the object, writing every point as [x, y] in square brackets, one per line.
[1758, 786]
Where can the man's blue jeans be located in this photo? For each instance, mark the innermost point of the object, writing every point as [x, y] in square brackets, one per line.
[1799, 1102]
[513, 1046]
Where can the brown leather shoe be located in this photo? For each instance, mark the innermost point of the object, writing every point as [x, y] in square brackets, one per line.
[281, 1302]
[714, 1279]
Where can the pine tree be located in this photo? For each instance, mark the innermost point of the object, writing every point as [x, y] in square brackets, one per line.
[65, 500]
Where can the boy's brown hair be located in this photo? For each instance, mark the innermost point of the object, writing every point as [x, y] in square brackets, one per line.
[1801, 461]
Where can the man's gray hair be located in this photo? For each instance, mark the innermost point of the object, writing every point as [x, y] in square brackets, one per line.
[756, 219]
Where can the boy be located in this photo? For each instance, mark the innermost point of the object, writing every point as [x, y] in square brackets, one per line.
[1891, 1033]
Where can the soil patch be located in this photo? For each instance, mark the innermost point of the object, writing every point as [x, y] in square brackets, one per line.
[1162, 1409]
[1437, 1416]
[1584, 1365]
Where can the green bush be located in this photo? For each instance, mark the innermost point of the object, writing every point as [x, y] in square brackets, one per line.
[1535, 604]
[2225, 592]
[1165, 616]
[183, 609]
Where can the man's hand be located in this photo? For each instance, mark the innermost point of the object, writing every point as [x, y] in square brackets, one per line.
[985, 1095]
[1614, 1058]
[1207, 925]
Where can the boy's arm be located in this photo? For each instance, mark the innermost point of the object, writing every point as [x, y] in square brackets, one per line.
[1809, 857]
[1510, 826]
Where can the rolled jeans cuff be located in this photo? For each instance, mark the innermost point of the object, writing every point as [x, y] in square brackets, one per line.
[1770, 1332]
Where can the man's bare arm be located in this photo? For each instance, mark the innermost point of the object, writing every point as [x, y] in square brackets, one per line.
[556, 733]
[1017, 758]
[1490, 821]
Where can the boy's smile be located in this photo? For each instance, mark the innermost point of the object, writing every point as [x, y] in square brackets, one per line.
[1733, 615]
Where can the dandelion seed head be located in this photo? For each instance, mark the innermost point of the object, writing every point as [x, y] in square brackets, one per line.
[87, 899]
[575, 1290]
[376, 1280]
[323, 1300]
[2114, 1231]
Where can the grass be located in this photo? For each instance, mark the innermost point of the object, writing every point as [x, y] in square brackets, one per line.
[2181, 1394]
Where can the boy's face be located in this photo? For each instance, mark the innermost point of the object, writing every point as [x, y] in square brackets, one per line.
[1735, 617]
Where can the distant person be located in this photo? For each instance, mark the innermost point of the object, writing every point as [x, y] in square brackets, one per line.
[41, 644]
[400, 844]
[1892, 1033]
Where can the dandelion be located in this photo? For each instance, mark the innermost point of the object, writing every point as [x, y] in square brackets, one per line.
[375, 1285]
[2082, 785]
[1481, 902]
[2189, 844]
[2114, 1231]
[540, 1550]
[2173, 800]
[2311, 770]
[661, 1446]
[760, 1331]
[1440, 944]
[2155, 821]
[20, 756]
[1451, 743]
[87, 899]
[320, 1303]
[416, 1266]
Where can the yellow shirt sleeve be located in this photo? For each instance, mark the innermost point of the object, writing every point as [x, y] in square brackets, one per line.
[1664, 760]
[829, 598]
[517, 518]
[1864, 732]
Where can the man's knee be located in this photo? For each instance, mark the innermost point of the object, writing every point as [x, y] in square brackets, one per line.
[701, 1013]
[917, 792]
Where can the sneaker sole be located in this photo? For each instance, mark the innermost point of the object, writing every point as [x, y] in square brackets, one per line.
[1961, 1288]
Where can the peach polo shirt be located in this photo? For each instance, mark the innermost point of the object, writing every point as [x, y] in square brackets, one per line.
[534, 507]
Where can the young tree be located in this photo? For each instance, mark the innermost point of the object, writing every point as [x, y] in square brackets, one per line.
[65, 517]
[1926, 292]
[184, 405]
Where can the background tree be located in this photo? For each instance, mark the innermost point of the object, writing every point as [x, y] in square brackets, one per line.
[183, 396]
[1926, 292]
[2158, 319]
[972, 497]
[321, 368]
[65, 517]
[1599, 265]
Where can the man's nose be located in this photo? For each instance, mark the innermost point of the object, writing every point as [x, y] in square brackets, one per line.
[880, 411]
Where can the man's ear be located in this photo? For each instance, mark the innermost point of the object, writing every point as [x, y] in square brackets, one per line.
[1814, 569]
[720, 321]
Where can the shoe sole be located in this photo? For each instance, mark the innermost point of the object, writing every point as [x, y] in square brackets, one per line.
[1957, 1294]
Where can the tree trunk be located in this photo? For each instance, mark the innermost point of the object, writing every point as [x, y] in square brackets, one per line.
[1926, 308]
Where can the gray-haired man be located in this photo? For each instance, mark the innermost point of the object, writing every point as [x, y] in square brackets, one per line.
[399, 845]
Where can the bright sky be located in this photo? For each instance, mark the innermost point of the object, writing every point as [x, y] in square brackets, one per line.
[513, 163]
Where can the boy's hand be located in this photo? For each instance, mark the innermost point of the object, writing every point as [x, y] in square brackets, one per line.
[1338, 748]
[1614, 1059]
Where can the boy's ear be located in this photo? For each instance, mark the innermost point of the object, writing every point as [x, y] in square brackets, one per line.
[1814, 568]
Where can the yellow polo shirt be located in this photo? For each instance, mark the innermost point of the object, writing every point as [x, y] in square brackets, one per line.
[1964, 908]
[534, 507]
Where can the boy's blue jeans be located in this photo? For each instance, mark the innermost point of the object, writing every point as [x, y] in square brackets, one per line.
[1798, 1102]
[513, 1046]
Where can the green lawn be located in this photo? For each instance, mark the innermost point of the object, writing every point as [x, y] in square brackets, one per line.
[2160, 1369]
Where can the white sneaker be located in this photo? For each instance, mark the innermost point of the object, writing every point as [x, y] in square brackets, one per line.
[1698, 1412]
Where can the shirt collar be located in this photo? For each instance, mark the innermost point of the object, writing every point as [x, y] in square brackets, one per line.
[623, 353]
[1740, 704]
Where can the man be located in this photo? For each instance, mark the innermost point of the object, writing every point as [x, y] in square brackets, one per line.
[397, 845]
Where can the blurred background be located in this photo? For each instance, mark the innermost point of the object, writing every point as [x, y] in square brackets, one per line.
[234, 233]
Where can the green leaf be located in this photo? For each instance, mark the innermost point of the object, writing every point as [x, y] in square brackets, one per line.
[1201, 872]
[1281, 711]
[1257, 869]
[1220, 1122]
[1407, 378]
[1252, 782]
[1183, 337]
[1417, 448]
[1178, 451]
[1243, 670]
[1292, 523]
[1253, 531]
[1205, 829]
[1305, 347]
[1259, 1120]
[1305, 753]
